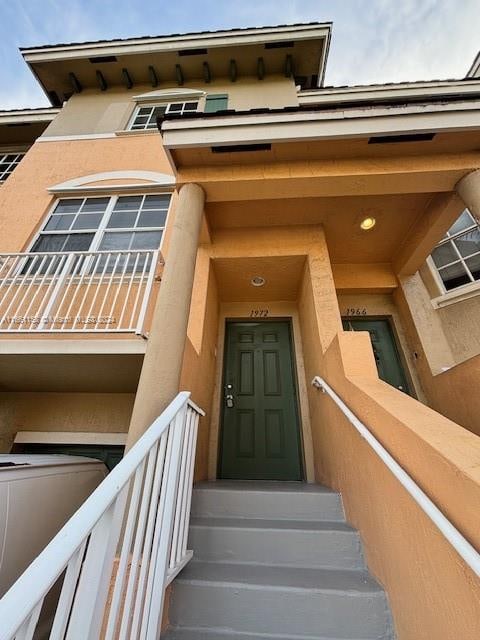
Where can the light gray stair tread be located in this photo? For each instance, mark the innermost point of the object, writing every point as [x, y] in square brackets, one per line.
[260, 523]
[345, 581]
[191, 633]
[264, 486]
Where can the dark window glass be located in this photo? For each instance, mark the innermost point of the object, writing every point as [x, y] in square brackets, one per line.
[128, 203]
[88, 221]
[92, 205]
[122, 219]
[469, 242]
[444, 254]
[68, 206]
[146, 240]
[78, 242]
[59, 223]
[156, 202]
[152, 219]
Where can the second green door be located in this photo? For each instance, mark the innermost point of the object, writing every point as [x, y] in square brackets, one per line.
[260, 430]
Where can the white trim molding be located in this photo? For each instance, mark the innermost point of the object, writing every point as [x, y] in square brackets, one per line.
[82, 136]
[86, 184]
[70, 437]
[169, 95]
[460, 294]
[28, 116]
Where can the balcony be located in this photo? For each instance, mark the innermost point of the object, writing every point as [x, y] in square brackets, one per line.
[76, 292]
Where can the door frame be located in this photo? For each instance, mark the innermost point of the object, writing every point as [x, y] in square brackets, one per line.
[397, 343]
[281, 311]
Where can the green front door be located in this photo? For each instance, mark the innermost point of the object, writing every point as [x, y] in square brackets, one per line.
[260, 431]
[384, 349]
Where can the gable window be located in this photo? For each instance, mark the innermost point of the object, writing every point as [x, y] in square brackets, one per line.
[457, 256]
[9, 162]
[145, 117]
[117, 223]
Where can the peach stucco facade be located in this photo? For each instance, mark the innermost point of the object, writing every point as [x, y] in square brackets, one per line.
[287, 208]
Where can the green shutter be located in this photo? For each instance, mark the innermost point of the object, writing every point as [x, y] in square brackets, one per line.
[216, 102]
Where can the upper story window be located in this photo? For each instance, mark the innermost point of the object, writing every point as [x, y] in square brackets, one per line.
[8, 162]
[113, 223]
[457, 256]
[145, 117]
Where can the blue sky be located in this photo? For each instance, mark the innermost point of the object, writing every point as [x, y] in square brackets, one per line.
[373, 40]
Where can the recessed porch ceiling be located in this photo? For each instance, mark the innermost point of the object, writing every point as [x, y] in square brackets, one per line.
[341, 217]
[282, 276]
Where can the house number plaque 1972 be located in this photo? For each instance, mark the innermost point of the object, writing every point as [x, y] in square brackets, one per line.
[259, 313]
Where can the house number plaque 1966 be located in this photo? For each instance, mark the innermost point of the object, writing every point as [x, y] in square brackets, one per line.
[259, 313]
[356, 311]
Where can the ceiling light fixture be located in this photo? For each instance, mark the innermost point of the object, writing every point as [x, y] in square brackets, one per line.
[258, 281]
[368, 223]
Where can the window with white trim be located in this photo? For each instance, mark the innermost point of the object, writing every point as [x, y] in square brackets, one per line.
[145, 116]
[457, 256]
[8, 163]
[126, 223]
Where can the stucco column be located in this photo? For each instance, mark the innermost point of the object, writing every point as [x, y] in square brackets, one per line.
[162, 365]
[468, 188]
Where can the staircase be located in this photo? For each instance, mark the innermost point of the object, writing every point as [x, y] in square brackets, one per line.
[274, 561]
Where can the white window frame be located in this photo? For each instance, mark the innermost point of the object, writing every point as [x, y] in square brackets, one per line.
[102, 227]
[449, 239]
[19, 155]
[159, 103]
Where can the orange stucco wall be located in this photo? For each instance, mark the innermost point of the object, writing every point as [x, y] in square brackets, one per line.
[24, 198]
[53, 411]
[455, 393]
[199, 359]
[431, 592]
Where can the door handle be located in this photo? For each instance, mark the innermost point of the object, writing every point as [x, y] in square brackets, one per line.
[229, 399]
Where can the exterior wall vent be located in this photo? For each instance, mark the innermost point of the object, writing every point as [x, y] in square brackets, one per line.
[239, 148]
[409, 137]
[280, 45]
[103, 59]
[193, 52]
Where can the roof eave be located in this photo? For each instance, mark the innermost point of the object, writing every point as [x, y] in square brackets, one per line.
[27, 116]
[158, 44]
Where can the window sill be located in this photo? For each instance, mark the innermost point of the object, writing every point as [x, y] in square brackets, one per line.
[457, 295]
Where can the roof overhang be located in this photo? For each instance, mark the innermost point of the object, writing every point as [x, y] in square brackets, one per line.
[444, 108]
[65, 68]
[385, 93]
[27, 116]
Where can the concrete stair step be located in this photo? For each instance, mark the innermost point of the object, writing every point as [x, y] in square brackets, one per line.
[259, 599]
[296, 543]
[275, 500]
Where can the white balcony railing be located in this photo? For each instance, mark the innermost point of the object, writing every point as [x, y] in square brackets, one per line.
[105, 573]
[76, 291]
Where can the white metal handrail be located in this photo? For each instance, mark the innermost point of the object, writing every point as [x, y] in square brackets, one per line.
[76, 291]
[120, 550]
[461, 545]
